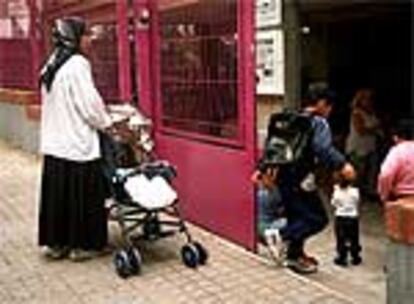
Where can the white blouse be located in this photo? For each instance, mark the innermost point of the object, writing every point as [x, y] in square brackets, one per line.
[72, 112]
[346, 201]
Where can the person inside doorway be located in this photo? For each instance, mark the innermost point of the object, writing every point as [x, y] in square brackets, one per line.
[72, 218]
[363, 141]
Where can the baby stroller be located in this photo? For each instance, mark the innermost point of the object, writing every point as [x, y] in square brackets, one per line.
[141, 189]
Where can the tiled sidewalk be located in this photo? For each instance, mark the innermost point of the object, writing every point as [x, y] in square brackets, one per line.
[231, 276]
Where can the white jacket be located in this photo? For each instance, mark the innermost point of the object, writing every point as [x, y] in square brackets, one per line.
[72, 112]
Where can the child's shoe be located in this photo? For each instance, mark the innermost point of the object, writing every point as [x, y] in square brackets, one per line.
[340, 261]
[277, 247]
[356, 260]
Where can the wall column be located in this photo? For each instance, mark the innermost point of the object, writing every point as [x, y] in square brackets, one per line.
[291, 25]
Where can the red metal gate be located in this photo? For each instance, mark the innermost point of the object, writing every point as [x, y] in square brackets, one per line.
[200, 90]
[193, 73]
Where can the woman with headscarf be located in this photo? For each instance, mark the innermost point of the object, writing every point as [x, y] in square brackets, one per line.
[72, 219]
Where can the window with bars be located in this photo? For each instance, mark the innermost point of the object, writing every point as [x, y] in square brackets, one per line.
[199, 83]
[101, 18]
[15, 59]
[104, 60]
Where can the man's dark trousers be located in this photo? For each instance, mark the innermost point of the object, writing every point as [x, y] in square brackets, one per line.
[306, 217]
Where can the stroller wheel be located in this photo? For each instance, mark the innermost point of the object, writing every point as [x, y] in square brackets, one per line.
[202, 253]
[190, 255]
[122, 264]
[135, 260]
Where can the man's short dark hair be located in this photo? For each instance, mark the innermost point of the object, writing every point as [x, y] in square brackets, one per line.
[317, 92]
[404, 129]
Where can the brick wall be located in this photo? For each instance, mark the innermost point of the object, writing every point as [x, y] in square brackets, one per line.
[15, 64]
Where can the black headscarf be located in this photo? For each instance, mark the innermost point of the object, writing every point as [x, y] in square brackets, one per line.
[66, 37]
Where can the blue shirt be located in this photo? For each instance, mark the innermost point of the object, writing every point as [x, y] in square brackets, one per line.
[322, 145]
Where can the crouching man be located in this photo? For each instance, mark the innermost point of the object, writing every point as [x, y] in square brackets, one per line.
[306, 215]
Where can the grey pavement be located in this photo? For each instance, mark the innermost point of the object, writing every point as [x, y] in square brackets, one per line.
[364, 283]
[232, 275]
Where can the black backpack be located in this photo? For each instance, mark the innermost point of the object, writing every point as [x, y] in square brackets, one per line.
[288, 141]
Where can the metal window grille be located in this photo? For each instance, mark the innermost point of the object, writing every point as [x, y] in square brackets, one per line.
[15, 60]
[104, 61]
[199, 82]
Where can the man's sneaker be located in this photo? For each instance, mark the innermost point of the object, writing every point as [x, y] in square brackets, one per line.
[301, 266]
[341, 261]
[277, 247]
[55, 253]
[310, 259]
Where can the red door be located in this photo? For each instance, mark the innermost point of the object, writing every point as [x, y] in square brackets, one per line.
[199, 90]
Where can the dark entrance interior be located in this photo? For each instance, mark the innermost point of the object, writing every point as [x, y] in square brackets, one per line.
[359, 44]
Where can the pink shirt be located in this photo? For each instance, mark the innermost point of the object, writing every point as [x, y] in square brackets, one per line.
[397, 172]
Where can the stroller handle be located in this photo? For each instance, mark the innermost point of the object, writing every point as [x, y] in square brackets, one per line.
[150, 169]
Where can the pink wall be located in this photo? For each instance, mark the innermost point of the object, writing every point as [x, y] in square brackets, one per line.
[18, 44]
[16, 64]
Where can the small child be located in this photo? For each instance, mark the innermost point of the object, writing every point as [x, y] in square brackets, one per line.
[345, 200]
[271, 214]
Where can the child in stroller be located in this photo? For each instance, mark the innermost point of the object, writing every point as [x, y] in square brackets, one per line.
[141, 190]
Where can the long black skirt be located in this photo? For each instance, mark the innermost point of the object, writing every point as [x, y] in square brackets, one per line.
[72, 210]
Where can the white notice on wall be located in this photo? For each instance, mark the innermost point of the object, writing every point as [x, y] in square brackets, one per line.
[270, 62]
[268, 13]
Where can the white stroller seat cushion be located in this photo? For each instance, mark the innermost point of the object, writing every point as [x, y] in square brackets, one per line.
[151, 194]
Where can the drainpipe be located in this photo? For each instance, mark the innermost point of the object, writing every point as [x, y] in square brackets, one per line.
[412, 48]
[35, 40]
[293, 62]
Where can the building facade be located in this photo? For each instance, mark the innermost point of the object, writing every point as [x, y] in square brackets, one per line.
[209, 73]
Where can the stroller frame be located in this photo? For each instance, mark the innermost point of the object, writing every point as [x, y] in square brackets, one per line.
[131, 216]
